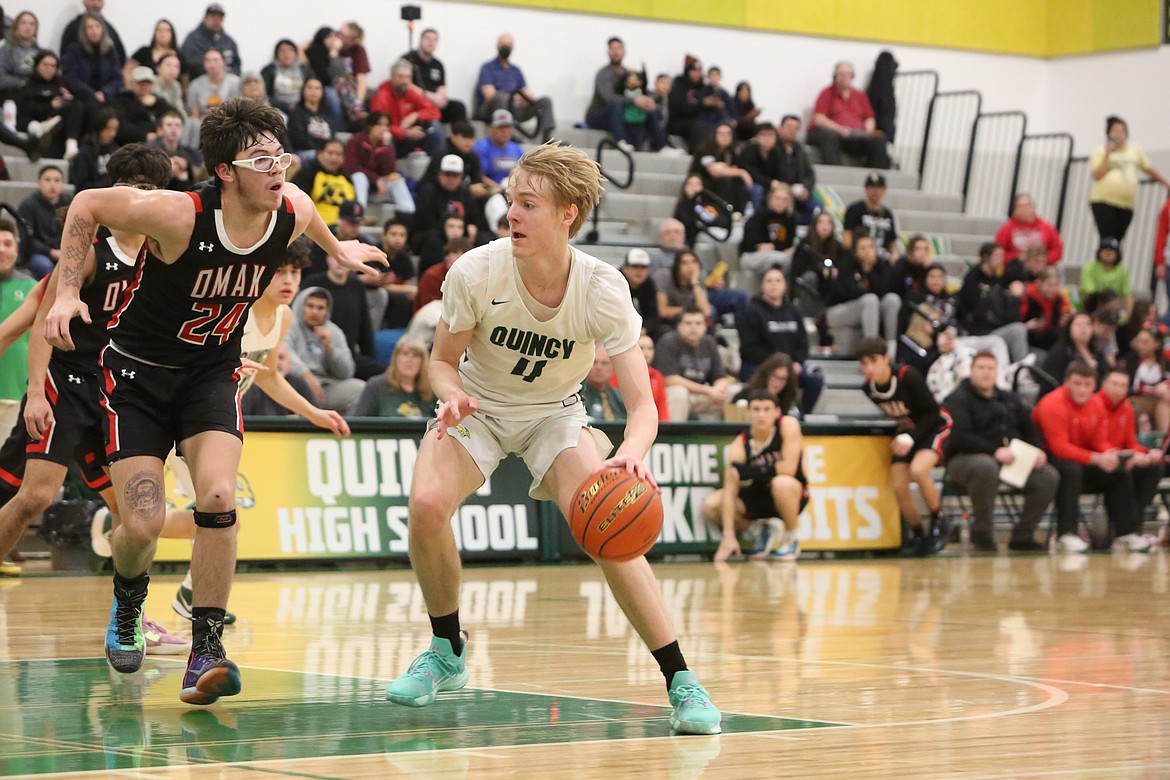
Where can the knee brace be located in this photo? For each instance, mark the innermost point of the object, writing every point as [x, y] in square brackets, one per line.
[215, 519]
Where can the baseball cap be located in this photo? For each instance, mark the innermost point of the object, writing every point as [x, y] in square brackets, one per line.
[502, 117]
[875, 179]
[351, 211]
[214, 8]
[143, 73]
[451, 163]
[638, 258]
[1109, 242]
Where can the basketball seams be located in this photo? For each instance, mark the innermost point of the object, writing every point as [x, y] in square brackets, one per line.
[612, 502]
[645, 504]
[596, 501]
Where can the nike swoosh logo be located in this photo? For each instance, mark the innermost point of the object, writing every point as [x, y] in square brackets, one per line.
[497, 303]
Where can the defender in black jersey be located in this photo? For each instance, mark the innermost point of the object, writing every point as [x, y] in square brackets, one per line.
[901, 392]
[764, 487]
[169, 372]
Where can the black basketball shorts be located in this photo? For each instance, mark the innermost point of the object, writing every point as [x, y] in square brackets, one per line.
[76, 434]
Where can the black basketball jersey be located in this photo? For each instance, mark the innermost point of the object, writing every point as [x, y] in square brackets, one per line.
[191, 312]
[761, 464]
[113, 272]
[906, 399]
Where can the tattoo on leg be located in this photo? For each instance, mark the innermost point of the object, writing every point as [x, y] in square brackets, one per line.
[144, 494]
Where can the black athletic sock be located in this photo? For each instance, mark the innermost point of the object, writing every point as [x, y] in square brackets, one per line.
[670, 660]
[447, 627]
[205, 621]
[131, 587]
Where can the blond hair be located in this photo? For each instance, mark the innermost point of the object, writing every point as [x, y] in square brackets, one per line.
[571, 176]
[422, 382]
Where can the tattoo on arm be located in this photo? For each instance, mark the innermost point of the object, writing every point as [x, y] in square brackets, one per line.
[143, 495]
[80, 235]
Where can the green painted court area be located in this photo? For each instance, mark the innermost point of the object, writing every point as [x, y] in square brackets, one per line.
[78, 715]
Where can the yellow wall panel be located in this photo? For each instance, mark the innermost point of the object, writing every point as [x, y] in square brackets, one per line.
[1036, 28]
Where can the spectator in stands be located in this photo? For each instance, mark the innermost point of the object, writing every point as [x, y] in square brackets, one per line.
[285, 76]
[320, 353]
[682, 289]
[431, 77]
[348, 309]
[843, 120]
[910, 269]
[39, 211]
[986, 307]
[1025, 229]
[308, 126]
[91, 69]
[775, 375]
[744, 112]
[860, 294]
[15, 286]
[351, 215]
[1075, 426]
[600, 396]
[880, 92]
[414, 120]
[644, 292]
[688, 358]
[672, 239]
[1149, 382]
[430, 283]
[689, 105]
[461, 143]
[877, 220]
[88, 169]
[901, 393]
[1025, 269]
[139, 109]
[661, 94]
[761, 158]
[433, 246]
[814, 263]
[717, 161]
[169, 138]
[1044, 310]
[768, 236]
[797, 170]
[356, 59]
[323, 55]
[1105, 272]
[370, 161]
[498, 155]
[1076, 344]
[764, 487]
[984, 421]
[604, 106]
[715, 89]
[17, 54]
[212, 87]
[698, 209]
[1115, 169]
[1144, 465]
[435, 200]
[163, 41]
[502, 85]
[657, 381]
[634, 122]
[404, 388]
[41, 106]
[390, 294]
[323, 180]
[168, 85]
[1162, 232]
[207, 36]
[72, 30]
[257, 402]
[772, 324]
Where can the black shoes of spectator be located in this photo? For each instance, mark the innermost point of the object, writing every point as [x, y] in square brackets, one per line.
[984, 544]
[1027, 544]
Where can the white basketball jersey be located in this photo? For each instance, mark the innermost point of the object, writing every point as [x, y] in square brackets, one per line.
[516, 365]
[257, 346]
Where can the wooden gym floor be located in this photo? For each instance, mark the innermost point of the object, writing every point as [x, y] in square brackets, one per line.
[958, 666]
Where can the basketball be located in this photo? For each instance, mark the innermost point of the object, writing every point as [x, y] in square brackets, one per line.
[616, 516]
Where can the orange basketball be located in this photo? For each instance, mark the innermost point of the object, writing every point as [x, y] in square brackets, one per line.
[615, 515]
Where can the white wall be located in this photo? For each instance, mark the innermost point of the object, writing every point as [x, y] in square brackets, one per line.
[560, 52]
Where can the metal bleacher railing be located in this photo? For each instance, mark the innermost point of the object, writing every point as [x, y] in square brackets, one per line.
[957, 149]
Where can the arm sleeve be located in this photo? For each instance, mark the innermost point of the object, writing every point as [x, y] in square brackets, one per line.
[852, 217]
[1003, 237]
[427, 111]
[1055, 244]
[339, 362]
[964, 439]
[824, 102]
[1054, 428]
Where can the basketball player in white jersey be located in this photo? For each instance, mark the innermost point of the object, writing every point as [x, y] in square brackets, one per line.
[516, 339]
[267, 325]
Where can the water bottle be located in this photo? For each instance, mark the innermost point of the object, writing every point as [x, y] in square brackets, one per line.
[10, 114]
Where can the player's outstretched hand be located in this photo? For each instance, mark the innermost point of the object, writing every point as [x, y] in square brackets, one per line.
[452, 411]
[635, 466]
[38, 417]
[57, 321]
[330, 421]
[354, 255]
[728, 547]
